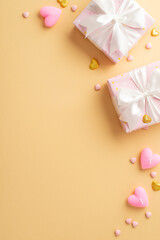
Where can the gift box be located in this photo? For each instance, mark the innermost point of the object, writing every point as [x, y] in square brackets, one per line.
[136, 97]
[114, 26]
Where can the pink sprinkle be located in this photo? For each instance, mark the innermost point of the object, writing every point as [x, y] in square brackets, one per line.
[128, 221]
[25, 14]
[148, 46]
[130, 58]
[97, 87]
[134, 224]
[74, 8]
[146, 128]
[117, 232]
[148, 214]
[153, 174]
[133, 160]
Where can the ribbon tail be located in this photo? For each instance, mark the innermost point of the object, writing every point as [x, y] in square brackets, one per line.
[154, 81]
[119, 40]
[131, 106]
[132, 113]
[103, 14]
[91, 24]
[152, 110]
[102, 6]
[102, 36]
[132, 14]
[139, 77]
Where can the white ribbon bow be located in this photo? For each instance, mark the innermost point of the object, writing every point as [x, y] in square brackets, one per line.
[133, 104]
[120, 28]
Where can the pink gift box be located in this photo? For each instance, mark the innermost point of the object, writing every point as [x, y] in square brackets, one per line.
[116, 56]
[125, 81]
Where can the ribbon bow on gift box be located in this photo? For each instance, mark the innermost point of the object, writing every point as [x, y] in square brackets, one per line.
[133, 103]
[105, 24]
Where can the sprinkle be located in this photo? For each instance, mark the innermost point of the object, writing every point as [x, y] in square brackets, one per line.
[25, 14]
[97, 87]
[112, 82]
[117, 89]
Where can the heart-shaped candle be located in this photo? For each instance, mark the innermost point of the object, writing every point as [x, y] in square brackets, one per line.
[148, 159]
[139, 198]
[51, 15]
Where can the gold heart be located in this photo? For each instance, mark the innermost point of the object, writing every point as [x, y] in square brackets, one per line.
[63, 3]
[155, 185]
[154, 32]
[94, 64]
[146, 119]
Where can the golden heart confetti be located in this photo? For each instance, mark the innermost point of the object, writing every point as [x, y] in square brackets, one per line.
[63, 3]
[154, 32]
[155, 185]
[94, 64]
[146, 119]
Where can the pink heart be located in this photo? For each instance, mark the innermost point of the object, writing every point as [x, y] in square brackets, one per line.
[148, 159]
[117, 232]
[25, 14]
[128, 221]
[130, 58]
[139, 198]
[97, 87]
[134, 224]
[133, 160]
[148, 45]
[148, 214]
[51, 15]
[74, 8]
[153, 174]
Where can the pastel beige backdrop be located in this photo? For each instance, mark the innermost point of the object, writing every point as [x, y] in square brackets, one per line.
[64, 159]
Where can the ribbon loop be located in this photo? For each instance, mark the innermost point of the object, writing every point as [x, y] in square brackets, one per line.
[134, 103]
[119, 26]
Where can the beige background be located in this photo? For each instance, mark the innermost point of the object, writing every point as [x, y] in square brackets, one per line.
[64, 159]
